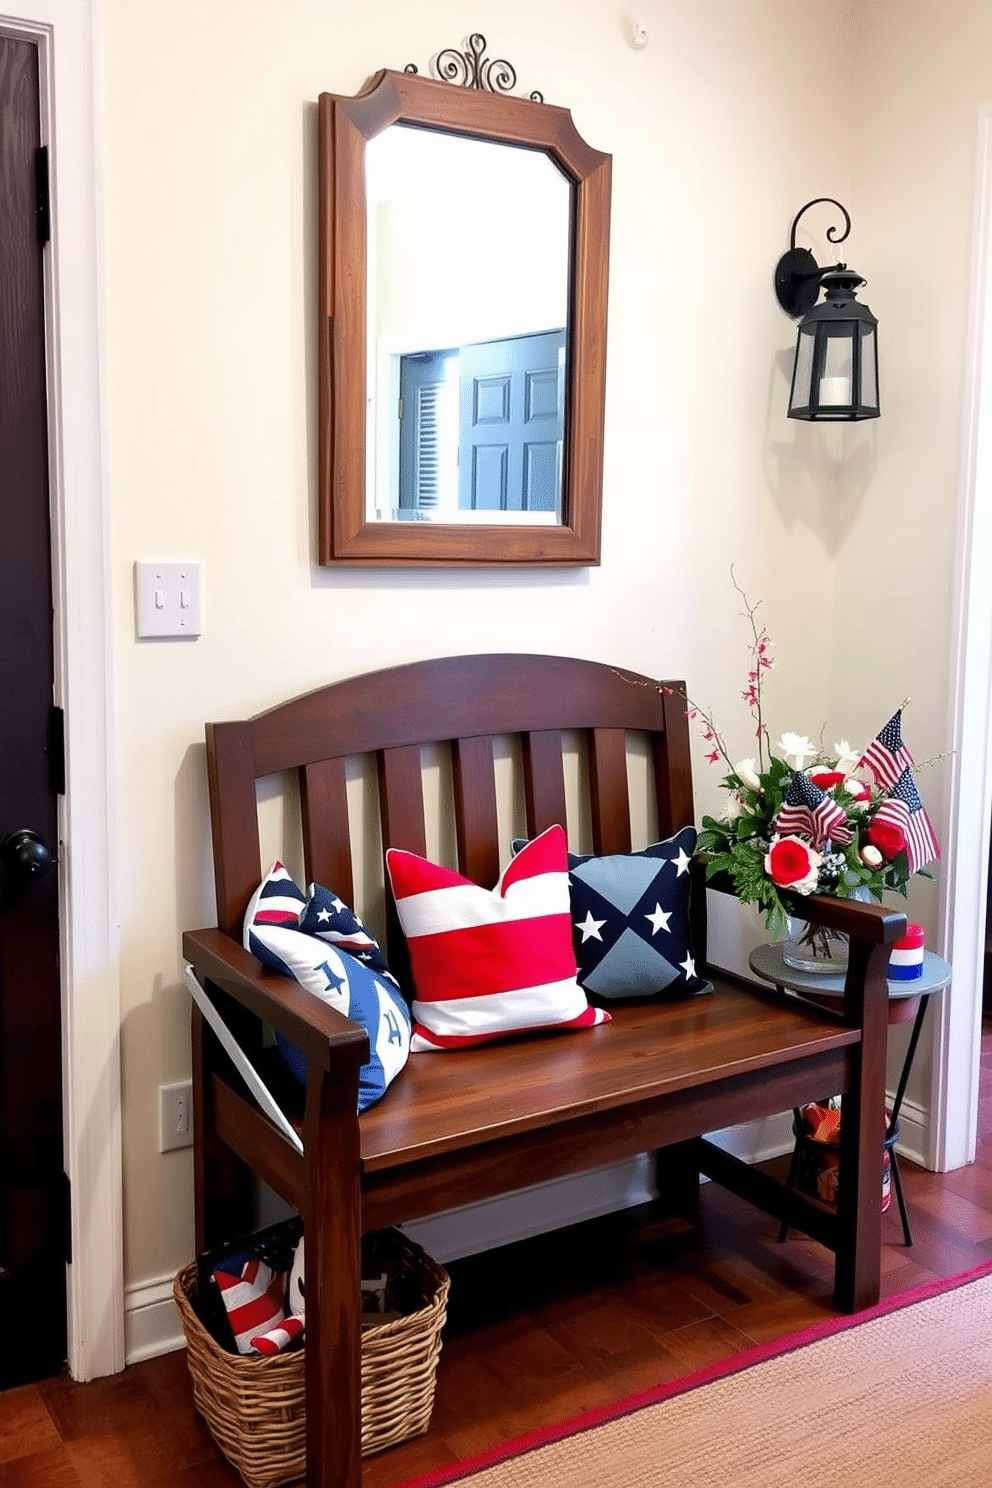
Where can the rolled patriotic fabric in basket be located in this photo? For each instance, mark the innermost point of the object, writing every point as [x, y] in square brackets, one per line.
[906, 959]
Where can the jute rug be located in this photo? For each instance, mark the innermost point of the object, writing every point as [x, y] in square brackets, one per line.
[900, 1395]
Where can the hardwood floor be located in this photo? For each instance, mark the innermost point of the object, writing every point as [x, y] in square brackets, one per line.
[536, 1333]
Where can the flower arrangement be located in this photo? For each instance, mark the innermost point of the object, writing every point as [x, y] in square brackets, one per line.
[801, 820]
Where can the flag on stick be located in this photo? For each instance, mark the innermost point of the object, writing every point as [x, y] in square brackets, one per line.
[807, 811]
[902, 808]
[887, 756]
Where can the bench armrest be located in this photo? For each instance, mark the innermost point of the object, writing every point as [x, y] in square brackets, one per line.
[330, 1041]
[851, 917]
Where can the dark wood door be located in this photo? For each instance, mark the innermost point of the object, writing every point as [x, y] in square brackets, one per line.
[32, 1192]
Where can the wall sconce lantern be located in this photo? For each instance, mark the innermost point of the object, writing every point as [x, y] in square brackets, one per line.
[835, 376]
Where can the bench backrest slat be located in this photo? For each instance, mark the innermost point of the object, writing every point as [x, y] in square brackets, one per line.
[476, 823]
[231, 778]
[609, 792]
[401, 799]
[401, 809]
[544, 780]
[672, 766]
[326, 831]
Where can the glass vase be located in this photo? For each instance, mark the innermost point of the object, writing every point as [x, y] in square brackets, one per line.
[813, 949]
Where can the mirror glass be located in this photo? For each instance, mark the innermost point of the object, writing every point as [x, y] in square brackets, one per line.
[467, 298]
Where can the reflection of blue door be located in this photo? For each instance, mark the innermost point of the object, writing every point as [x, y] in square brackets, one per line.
[488, 417]
[512, 424]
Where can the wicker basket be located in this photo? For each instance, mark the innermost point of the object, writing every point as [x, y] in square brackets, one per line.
[255, 1407]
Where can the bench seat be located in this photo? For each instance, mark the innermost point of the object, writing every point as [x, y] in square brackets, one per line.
[645, 1054]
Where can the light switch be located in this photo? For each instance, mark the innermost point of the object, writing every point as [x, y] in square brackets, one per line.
[167, 599]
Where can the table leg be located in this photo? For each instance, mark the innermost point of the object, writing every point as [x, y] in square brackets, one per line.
[896, 1177]
[907, 1065]
[892, 1131]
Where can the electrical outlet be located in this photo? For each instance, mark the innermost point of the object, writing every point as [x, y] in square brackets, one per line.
[175, 1116]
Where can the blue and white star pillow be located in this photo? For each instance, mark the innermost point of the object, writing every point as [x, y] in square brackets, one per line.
[630, 922]
[329, 918]
[321, 943]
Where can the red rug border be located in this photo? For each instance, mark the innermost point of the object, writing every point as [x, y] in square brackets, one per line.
[599, 1415]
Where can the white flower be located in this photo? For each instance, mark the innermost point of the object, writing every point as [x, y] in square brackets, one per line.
[797, 749]
[848, 759]
[747, 774]
[732, 809]
[858, 790]
[871, 857]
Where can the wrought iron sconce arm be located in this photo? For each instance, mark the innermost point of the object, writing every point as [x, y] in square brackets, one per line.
[798, 275]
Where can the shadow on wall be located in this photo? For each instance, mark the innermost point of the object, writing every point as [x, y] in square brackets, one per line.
[817, 474]
[195, 903]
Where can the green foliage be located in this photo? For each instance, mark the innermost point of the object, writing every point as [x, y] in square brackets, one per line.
[737, 843]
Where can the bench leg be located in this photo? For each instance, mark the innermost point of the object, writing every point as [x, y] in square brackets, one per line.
[677, 1180]
[857, 1277]
[222, 1183]
[332, 1228]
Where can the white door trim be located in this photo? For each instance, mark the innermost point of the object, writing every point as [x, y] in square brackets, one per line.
[66, 34]
[954, 1091]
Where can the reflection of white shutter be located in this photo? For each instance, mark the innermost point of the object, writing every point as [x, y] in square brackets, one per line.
[427, 462]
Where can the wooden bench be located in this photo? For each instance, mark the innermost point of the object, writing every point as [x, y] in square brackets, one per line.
[460, 1127]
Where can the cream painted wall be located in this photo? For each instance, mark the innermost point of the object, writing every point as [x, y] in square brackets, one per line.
[716, 134]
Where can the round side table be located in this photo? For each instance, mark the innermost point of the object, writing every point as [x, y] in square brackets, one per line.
[906, 999]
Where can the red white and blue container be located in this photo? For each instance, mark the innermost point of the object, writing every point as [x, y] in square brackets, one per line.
[906, 959]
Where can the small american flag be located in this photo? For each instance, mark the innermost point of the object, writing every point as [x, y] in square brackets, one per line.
[903, 808]
[807, 811]
[887, 756]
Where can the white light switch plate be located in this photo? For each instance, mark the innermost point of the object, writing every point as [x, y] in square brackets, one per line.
[167, 599]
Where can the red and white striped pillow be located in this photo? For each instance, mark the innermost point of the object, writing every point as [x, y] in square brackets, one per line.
[488, 963]
[255, 1300]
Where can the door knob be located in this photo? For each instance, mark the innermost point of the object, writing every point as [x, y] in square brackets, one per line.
[24, 857]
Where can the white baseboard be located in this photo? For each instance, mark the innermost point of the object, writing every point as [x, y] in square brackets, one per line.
[913, 1132]
[757, 1141]
[151, 1322]
[530, 1211]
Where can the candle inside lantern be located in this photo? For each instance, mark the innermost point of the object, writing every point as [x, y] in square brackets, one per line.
[834, 390]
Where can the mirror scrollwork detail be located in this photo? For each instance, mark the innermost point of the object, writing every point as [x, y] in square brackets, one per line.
[464, 237]
[473, 69]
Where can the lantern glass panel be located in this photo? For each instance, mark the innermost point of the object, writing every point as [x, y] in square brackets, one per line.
[869, 378]
[802, 376]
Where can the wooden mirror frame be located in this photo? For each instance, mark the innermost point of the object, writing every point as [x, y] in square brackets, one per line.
[345, 125]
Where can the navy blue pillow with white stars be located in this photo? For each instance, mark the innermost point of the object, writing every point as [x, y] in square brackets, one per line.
[320, 942]
[630, 922]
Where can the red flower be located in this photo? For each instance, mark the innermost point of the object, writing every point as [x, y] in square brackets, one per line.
[826, 778]
[888, 838]
[791, 863]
